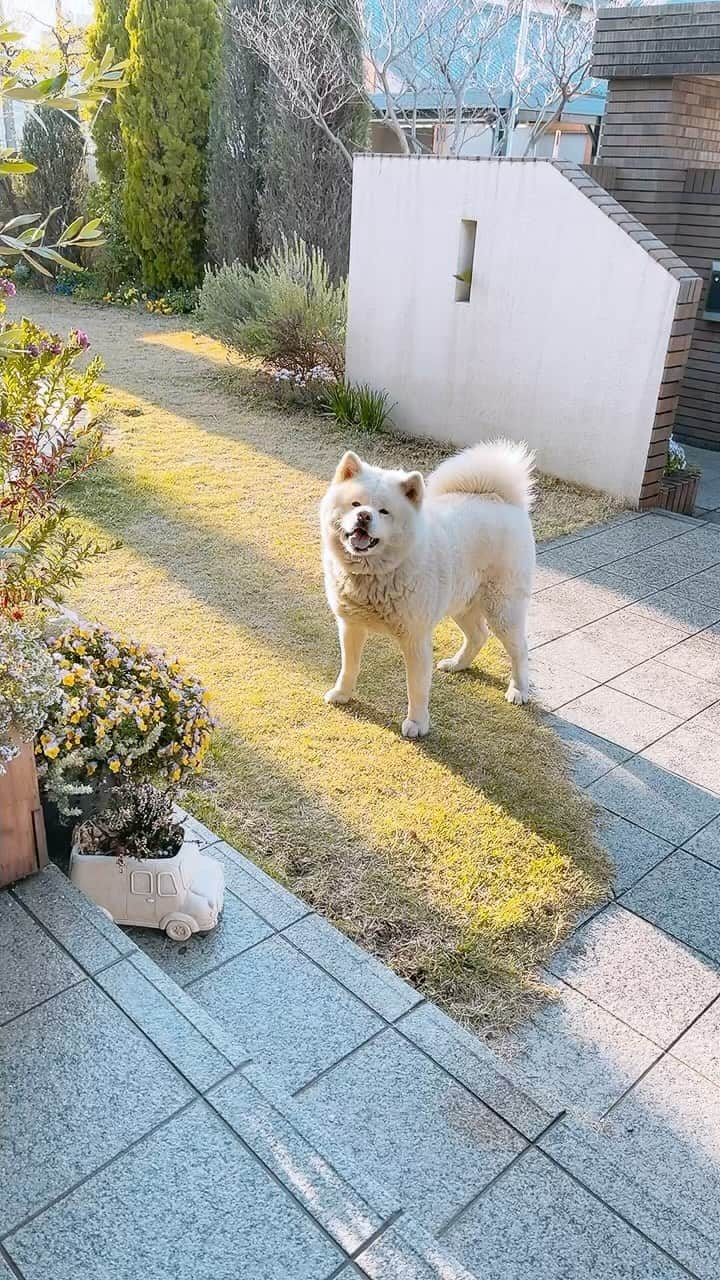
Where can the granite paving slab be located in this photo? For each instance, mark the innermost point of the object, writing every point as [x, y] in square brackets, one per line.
[32, 967]
[682, 896]
[652, 798]
[574, 1055]
[633, 850]
[654, 983]
[671, 690]
[706, 843]
[188, 1202]
[538, 1222]
[684, 606]
[268, 899]
[619, 718]
[90, 938]
[699, 1047]
[590, 755]
[699, 654]
[656, 1160]
[80, 1083]
[420, 1131]
[360, 972]
[551, 685]
[295, 1019]
[692, 751]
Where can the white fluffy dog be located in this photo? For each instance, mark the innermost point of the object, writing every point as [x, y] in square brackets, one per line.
[399, 555]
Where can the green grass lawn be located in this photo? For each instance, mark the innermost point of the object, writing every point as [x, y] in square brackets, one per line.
[459, 860]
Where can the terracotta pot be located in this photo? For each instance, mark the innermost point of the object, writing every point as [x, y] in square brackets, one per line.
[22, 831]
[679, 491]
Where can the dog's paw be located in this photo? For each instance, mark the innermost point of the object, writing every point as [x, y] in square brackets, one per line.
[515, 696]
[415, 728]
[448, 664]
[337, 697]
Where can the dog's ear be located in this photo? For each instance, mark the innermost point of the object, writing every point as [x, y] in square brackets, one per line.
[349, 465]
[413, 486]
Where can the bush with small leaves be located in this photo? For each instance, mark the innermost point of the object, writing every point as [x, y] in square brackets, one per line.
[138, 822]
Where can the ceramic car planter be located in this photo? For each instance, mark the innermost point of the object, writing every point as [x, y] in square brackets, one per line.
[181, 895]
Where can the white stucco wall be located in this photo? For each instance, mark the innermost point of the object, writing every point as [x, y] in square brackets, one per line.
[563, 340]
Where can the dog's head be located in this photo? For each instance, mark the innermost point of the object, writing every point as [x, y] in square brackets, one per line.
[370, 516]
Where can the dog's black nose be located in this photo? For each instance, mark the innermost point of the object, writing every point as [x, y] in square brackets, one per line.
[363, 516]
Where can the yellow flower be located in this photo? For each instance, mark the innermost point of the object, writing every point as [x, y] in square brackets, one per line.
[91, 767]
[68, 679]
[175, 775]
[114, 765]
[52, 752]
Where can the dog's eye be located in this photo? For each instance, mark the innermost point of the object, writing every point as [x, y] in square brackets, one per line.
[357, 504]
[383, 511]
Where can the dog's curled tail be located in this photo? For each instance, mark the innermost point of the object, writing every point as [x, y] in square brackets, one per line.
[498, 469]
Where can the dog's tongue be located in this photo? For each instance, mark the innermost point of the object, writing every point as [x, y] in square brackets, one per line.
[360, 540]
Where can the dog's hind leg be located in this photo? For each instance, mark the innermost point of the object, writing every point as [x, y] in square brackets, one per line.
[509, 624]
[352, 643]
[474, 628]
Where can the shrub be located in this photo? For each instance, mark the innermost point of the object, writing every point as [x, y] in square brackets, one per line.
[287, 310]
[138, 822]
[127, 711]
[164, 116]
[108, 30]
[29, 684]
[48, 437]
[115, 263]
[358, 406]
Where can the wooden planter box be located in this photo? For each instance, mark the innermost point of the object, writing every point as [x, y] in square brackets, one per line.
[679, 491]
[22, 831]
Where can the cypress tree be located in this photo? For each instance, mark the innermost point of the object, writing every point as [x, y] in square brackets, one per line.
[164, 115]
[235, 149]
[108, 30]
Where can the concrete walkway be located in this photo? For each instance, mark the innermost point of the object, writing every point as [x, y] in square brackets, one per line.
[270, 1102]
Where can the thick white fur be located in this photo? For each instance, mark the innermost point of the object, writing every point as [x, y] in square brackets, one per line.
[399, 556]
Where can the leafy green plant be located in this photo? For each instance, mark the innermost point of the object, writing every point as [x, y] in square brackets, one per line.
[164, 115]
[138, 822]
[108, 30]
[48, 437]
[29, 684]
[287, 310]
[357, 405]
[127, 712]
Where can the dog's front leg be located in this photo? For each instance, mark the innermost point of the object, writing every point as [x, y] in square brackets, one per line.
[352, 643]
[417, 651]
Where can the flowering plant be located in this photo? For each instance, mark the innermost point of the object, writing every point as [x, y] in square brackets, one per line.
[676, 460]
[127, 712]
[29, 685]
[48, 437]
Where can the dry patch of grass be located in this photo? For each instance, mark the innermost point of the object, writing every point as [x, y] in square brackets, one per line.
[461, 860]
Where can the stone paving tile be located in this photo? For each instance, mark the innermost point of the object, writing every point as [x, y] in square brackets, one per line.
[294, 1018]
[677, 692]
[633, 850]
[229, 1046]
[475, 1065]
[551, 685]
[80, 1083]
[172, 1033]
[659, 801]
[699, 654]
[31, 966]
[639, 974]
[630, 632]
[703, 586]
[419, 1131]
[189, 1202]
[268, 899]
[679, 607]
[546, 575]
[670, 562]
[546, 622]
[655, 1161]
[538, 1222]
[590, 756]
[682, 895]
[616, 716]
[588, 656]
[406, 1252]
[706, 844]
[356, 969]
[238, 929]
[573, 1054]
[692, 751]
[92, 940]
[196, 830]
[344, 1214]
[700, 1046]
[709, 494]
[579, 601]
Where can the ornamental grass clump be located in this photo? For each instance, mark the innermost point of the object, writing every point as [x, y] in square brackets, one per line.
[29, 685]
[127, 713]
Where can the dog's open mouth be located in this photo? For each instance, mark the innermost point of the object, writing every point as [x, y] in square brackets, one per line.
[360, 542]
